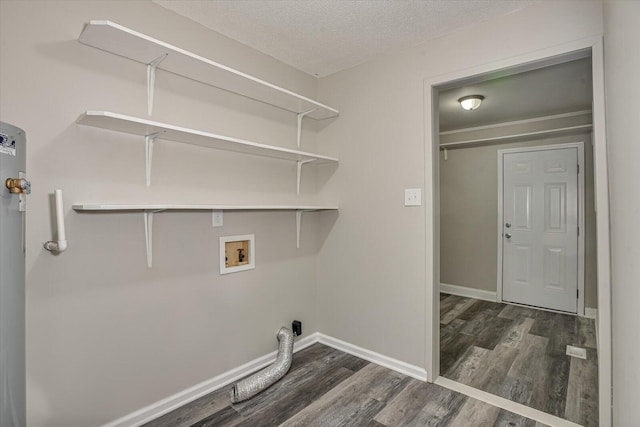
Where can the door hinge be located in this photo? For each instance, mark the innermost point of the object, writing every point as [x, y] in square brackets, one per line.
[577, 293]
[578, 168]
[578, 230]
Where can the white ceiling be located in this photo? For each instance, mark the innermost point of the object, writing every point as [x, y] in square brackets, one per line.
[556, 89]
[322, 37]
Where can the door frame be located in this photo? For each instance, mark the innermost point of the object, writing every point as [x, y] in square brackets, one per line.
[594, 47]
[581, 212]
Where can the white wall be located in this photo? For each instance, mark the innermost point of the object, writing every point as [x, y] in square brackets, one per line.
[622, 78]
[372, 267]
[105, 335]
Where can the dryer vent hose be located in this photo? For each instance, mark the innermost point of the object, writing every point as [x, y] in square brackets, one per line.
[250, 386]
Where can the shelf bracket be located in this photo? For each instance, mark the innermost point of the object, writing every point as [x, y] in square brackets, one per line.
[148, 145]
[151, 80]
[298, 224]
[299, 164]
[298, 221]
[300, 117]
[148, 234]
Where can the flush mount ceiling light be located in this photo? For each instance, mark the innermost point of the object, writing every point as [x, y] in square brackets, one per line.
[470, 102]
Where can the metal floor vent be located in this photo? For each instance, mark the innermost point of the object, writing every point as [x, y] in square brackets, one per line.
[580, 353]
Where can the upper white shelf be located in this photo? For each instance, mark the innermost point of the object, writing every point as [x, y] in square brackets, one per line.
[114, 38]
[177, 207]
[143, 127]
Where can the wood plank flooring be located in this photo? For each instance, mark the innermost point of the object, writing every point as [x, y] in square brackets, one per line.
[519, 353]
[326, 387]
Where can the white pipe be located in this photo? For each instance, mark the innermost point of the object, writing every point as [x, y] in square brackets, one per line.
[62, 235]
[61, 244]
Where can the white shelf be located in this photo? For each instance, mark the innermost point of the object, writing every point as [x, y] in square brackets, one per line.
[149, 209]
[156, 54]
[114, 38]
[144, 127]
[512, 138]
[154, 130]
[177, 207]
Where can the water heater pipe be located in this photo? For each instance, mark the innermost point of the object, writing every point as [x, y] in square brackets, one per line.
[61, 244]
[249, 387]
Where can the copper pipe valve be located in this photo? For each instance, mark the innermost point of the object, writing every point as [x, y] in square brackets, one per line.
[18, 185]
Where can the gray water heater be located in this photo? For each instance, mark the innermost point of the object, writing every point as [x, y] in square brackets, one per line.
[13, 189]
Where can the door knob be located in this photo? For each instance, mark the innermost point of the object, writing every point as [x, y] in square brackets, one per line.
[508, 225]
[507, 235]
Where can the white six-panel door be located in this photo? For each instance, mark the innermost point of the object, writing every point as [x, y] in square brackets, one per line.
[540, 228]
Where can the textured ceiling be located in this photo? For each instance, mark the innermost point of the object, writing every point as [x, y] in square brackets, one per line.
[322, 37]
[555, 89]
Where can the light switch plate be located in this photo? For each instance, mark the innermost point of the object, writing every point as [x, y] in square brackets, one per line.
[413, 197]
[217, 219]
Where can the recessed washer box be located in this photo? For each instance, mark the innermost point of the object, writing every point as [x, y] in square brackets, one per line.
[237, 253]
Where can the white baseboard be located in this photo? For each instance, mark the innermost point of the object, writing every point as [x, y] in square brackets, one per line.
[164, 406]
[167, 405]
[463, 291]
[377, 358]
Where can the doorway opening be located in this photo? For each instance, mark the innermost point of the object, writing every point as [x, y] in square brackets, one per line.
[516, 275]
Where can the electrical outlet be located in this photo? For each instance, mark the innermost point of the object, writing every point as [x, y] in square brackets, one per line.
[413, 197]
[296, 327]
[217, 219]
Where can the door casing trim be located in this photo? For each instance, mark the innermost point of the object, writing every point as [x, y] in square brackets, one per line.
[594, 47]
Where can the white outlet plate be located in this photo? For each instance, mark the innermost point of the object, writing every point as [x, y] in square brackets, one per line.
[217, 219]
[413, 197]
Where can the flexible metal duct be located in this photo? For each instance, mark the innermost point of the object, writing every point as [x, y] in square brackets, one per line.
[249, 387]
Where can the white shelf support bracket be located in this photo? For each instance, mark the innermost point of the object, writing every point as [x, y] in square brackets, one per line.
[298, 221]
[298, 224]
[446, 154]
[151, 80]
[148, 145]
[299, 164]
[148, 235]
[300, 117]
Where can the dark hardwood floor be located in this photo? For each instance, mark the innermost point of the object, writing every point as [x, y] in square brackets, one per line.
[326, 387]
[520, 354]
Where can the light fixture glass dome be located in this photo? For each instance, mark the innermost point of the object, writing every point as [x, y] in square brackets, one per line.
[470, 102]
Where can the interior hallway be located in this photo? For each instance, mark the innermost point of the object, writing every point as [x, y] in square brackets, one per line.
[519, 353]
[326, 387]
